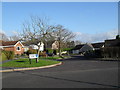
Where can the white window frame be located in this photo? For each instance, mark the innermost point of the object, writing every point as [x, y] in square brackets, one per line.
[17, 48]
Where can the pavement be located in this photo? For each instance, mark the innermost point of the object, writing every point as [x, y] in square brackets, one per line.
[76, 72]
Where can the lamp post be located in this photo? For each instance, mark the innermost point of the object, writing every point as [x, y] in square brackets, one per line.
[59, 48]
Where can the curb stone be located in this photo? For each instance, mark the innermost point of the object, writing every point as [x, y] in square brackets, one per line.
[31, 68]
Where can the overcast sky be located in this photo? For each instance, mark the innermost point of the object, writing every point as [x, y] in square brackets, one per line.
[90, 21]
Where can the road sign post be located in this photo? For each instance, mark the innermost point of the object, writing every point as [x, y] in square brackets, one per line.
[33, 56]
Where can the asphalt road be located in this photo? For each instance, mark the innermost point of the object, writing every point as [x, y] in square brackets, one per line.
[73, 73]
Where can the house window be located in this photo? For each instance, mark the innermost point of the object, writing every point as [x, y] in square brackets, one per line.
[18, 48]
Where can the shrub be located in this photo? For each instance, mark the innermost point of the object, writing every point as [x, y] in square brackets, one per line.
[94, 54]
[31, 51]
[118, 36]
[89, 53]
[17, 56]
[9, 54]
[66, 49]
[43, 54]
[49, 50]
[2, 57]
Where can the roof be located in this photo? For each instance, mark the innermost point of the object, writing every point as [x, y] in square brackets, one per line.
[78, 47]
[86, 47]
[98, 45]
[113, 39]
[7, 43]
[112, 42]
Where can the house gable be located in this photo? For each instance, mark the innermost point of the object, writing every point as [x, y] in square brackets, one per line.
[18, 43]
[15, 46]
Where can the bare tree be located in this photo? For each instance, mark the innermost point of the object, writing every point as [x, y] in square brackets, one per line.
[63, 35]
[77, 42]
[37, 30]
[14, 38]
[3, 37]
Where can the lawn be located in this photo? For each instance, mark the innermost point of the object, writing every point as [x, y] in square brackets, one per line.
[54, 58]
[50, 58]
[26, 63]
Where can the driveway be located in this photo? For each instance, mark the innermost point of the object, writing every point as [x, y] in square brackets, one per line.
[76, 72]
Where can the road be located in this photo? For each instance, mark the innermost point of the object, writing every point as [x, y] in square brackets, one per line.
[73, 73]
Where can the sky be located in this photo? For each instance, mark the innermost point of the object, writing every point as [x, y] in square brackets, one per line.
[90, 21]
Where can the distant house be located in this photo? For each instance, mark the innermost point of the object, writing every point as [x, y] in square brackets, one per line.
[112, 42]
[26, 48]
[112, 48]
[98, 46]
[86, 47]
[16, 46]
[55, 45]
[41, 46]
[36, 46]
[77, 48]
[33, 46]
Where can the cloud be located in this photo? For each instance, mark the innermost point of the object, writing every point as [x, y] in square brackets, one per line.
[2, 31]
[14, 32]
[97, 37]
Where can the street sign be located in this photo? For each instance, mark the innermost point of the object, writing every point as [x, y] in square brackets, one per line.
[32, 56]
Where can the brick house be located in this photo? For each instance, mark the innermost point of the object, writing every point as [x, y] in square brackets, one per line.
[15, 46]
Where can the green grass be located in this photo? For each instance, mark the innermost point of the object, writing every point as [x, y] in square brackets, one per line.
[50, 58]
[26, 63]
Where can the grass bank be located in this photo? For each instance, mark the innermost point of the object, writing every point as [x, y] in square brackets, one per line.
[26, 63]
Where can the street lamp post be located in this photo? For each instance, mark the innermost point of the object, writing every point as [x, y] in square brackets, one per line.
[59, 48]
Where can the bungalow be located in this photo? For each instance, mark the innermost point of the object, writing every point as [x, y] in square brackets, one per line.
[77, 48]
[86, 47]
[15, 46]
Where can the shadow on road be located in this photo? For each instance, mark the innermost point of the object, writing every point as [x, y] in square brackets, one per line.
[78, 58]
[77, 81]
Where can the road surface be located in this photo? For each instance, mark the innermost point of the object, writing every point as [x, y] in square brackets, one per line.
[73, 73]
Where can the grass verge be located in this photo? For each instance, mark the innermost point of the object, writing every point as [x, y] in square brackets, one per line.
[26, 63]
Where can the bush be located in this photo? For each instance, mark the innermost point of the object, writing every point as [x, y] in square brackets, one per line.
[66, 49]
[9, 54]
[49, 50]
[31, 51]
[2, 57]
[43, 54]
[89, 53]
[94, 54]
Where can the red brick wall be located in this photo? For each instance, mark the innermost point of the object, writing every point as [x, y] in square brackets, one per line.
[9, 48]
[21, 51]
